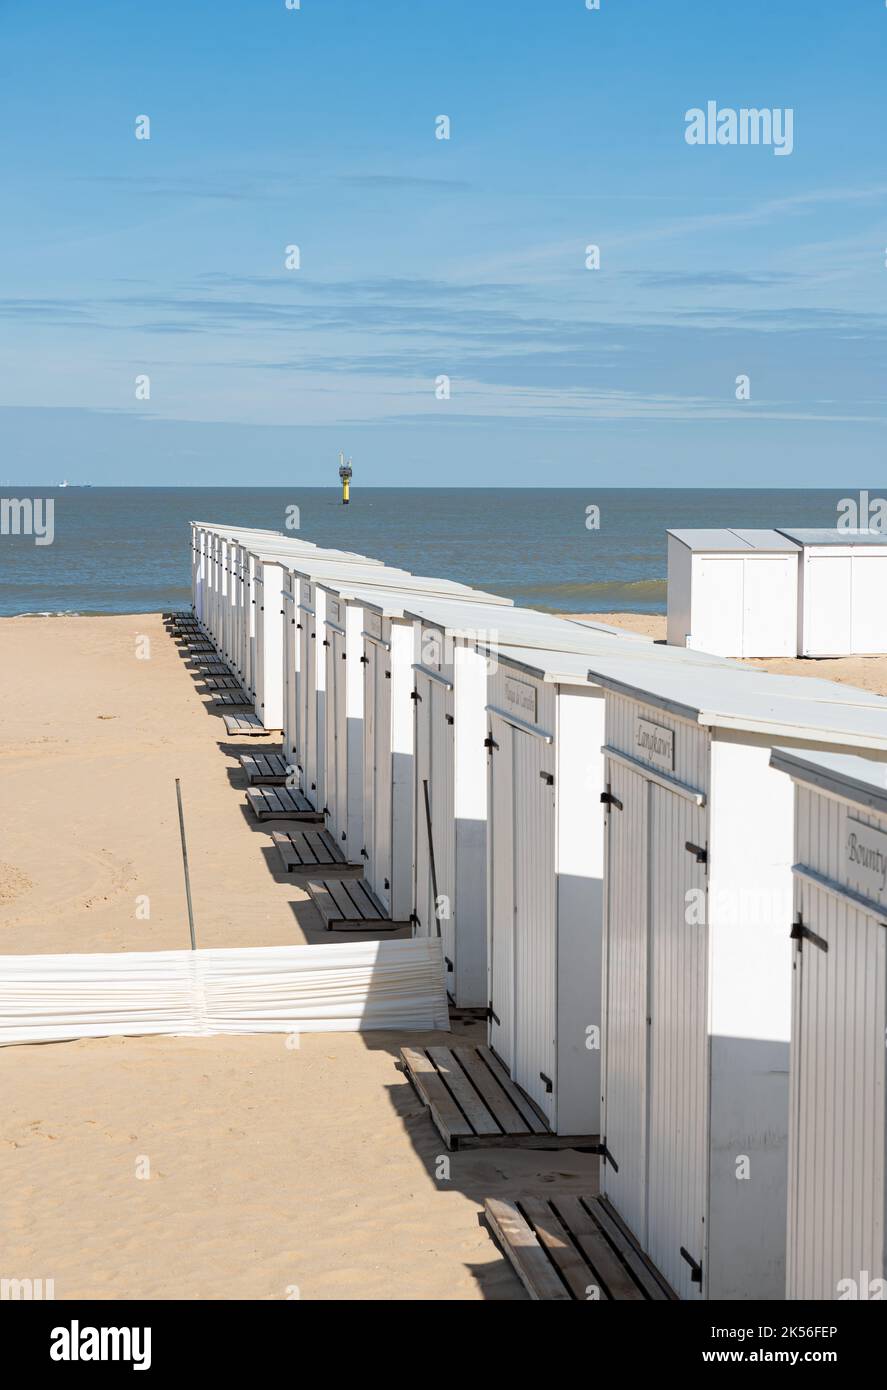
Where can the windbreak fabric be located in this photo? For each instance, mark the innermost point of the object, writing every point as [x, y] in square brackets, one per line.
[338, 988]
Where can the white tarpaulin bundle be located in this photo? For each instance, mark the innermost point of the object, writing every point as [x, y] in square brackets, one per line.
[341, 988]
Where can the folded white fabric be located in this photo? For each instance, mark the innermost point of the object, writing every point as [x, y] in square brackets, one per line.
[337, 988]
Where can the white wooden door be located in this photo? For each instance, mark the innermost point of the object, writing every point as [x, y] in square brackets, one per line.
[869, 619]
[423, 896]
[535, 922]
[770, 606]
[827, 601]
[440, 795]
[836, 1229]
[624, 1061]
[677, 1166]
[500, 881]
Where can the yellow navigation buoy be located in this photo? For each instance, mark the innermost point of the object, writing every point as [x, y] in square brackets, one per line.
[345, 471]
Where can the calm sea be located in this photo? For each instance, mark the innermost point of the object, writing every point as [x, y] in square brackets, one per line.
[126, 550]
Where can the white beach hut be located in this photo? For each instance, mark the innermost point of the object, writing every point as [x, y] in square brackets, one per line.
[837, 1165]
[733, 592]
[697, 959]
[842, 599]
[346, 689]
[450, 817]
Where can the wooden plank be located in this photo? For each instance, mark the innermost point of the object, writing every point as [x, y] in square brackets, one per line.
[470, 1103]
[609, 1273]
[527, 1257]
[281, 803]
[316, 853]
[447, 1117]
[525, 1107]
[508, 1118]
[245, 725]
[348, 905]
[553, 1235]
[642, 1268]
[231, 698]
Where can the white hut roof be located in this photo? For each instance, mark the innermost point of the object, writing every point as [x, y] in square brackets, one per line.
[779, 706]
[728, 540]
[841, 774]
[833, 535]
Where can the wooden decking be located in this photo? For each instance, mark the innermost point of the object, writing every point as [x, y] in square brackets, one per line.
[313, 852]
[474, 1102]
[573, 1247]
[348, 905]
[212, 666]
[264, 769]
[226, 682]
[232, 698]
[247, 725]
[281, 803]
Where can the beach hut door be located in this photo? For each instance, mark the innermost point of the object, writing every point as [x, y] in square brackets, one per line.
[678, 1052]
[624, 1171]
[535, 933]
[500, 878]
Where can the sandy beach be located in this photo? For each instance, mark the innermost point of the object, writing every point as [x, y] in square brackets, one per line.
[270, 1170]
[221, 1167]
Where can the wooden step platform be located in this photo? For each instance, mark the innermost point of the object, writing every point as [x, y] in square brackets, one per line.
[282, 803]
[247, 725]
[199, 648]
[224, 683]
[475, 1104]
[348, 905]
[265, 769]
[212, 666]
[313, 852]
[573, 1247]
[232, 698]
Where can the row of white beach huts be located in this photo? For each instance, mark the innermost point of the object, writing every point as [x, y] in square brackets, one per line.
[661, 875]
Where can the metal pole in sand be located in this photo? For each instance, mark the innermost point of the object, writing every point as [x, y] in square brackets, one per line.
[185, 863]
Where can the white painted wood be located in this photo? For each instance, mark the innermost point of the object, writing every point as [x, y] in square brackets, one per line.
[838, 1119]
[733, 593]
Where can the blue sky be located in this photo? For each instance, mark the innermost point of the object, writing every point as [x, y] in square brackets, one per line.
[422, 257]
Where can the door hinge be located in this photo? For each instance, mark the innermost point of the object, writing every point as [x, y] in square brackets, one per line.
[491, 1013]
[449, 964]
[450, 718]
[414, 695]
[364, 661]
[344, 836]
[325, 642]
[695, 1267]
[701, 854]
[388, 675]
[607, 1156]
[800, 933]
[490, 742]
[547, 778]
[364, 854]
[415, 920]
[549, 1084]
[609, 799]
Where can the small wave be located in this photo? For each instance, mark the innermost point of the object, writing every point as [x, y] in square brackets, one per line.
[617, 590]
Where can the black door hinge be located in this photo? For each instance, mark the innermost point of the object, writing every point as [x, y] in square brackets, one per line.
[388, 675]
[549, 1084]
[547, 778]
[414, 695]
[800, 933]
[364, 661]
[449, 719]
[607, 1156]
[490, 742]
[695, 1267]
[491, 1013]
[609, 799]
[364, 854]
[701, 854]
[449, 964]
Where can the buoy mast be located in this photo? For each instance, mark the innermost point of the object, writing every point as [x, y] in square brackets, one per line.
[345, 471]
